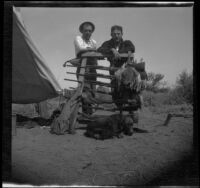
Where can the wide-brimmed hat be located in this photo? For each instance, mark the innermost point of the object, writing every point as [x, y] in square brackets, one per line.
[89, 23]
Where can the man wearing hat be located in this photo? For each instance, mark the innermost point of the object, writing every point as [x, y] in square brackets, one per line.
[83, 44]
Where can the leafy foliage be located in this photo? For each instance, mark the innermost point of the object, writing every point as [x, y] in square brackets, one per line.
[157, 93]
[155, 83]
[184, 86]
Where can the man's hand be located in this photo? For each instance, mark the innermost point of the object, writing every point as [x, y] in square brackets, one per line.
[116, 54]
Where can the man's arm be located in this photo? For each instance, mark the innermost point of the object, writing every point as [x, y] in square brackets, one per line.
[80, 48]
[105, 48]
[128, 46]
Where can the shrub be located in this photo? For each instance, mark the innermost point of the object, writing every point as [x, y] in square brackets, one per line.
[157, 99]
[181, 94]
[153, 99]
[155, 83]
[184, 87]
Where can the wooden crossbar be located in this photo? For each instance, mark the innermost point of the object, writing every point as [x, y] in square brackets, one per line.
[92, 74]
[95, 67]
[101, 56]
[92, 82]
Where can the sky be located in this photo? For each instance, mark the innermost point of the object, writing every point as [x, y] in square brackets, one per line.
[163, 37]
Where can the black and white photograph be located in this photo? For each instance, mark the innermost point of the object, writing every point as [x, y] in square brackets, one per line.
[102, 95]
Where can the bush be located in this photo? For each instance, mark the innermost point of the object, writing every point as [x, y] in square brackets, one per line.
[154, 99]
[157, 99]
[174, 97]
[181, 94]
[155, 83]
[184, 87]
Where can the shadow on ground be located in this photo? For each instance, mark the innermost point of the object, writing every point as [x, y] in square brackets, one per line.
[184, 173]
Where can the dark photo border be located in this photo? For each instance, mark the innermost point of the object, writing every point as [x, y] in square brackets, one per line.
[191, 164]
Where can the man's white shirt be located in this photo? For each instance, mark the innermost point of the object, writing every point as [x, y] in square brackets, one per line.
[81, 44]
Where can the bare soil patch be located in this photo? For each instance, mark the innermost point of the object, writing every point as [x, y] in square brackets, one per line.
[42, 158]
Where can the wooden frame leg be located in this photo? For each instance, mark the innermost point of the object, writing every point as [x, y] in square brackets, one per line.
[73, 120]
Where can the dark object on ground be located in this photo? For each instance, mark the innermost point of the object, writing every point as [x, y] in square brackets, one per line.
[41, 121]
[22, 120]
[138, 130]
[110, 127]
[170, 115]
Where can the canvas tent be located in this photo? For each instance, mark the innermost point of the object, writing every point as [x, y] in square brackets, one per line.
[32, 80]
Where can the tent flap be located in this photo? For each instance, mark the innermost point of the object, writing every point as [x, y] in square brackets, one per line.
[32, 80]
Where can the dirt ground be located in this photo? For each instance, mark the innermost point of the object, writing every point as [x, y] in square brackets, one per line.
[42, 158]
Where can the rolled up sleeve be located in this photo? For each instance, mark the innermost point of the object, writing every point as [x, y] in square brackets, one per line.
[78, 43]
[128, 46]
[105, 48]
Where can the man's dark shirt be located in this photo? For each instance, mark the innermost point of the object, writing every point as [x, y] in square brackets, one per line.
[124, 47]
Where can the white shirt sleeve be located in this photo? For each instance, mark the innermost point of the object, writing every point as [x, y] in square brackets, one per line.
[78, 44]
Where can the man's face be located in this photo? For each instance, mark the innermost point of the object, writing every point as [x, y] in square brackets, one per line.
[116, 35]
[87, 31]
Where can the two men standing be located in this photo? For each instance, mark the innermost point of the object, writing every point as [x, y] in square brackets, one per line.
[111, 48]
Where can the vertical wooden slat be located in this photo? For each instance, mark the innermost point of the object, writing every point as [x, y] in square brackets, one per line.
[73, 118]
